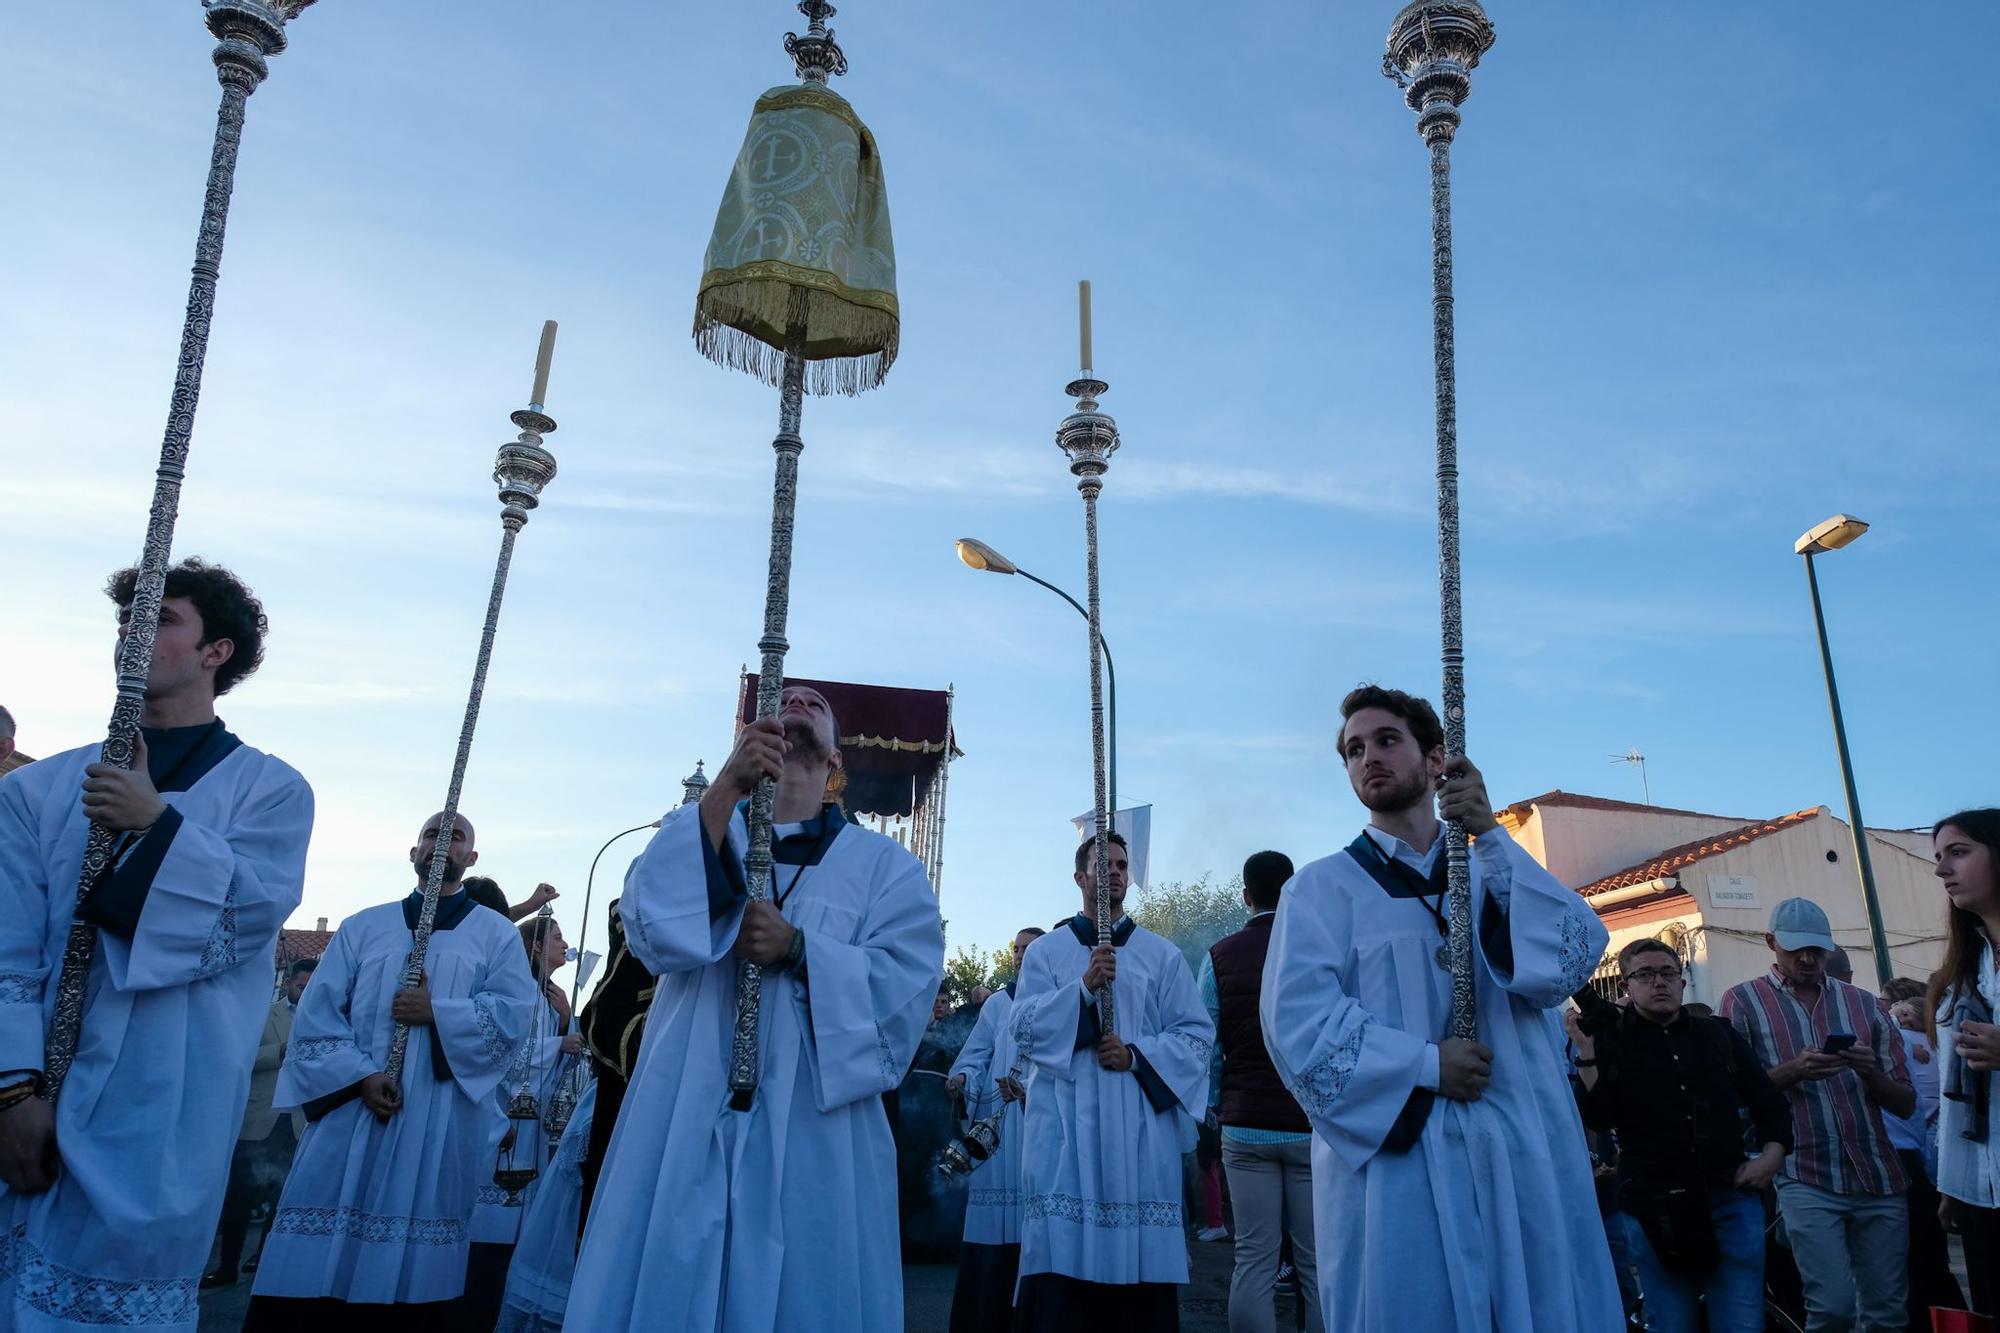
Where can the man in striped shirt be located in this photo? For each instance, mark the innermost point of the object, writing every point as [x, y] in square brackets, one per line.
[1840, 1063]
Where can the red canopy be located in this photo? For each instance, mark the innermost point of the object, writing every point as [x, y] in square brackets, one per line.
[892, 741]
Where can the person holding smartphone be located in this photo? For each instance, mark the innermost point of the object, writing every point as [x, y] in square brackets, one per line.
[1839, 1061]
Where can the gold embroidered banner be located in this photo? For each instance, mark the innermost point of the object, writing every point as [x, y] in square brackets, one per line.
[805, 208]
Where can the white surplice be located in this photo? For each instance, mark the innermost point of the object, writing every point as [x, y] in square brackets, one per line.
[545, 1258]
[374, 1212]
[993, 1190]
[1102, 1161]
[170, 1029]
[782, 1216]
[1489, 1220]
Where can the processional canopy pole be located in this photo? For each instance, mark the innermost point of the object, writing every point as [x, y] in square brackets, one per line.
[1433, 47]
[247, 33]
[1089, 438]
[799, 289]
[522, 468]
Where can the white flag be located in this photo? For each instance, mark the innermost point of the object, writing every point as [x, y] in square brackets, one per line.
[1135, 824]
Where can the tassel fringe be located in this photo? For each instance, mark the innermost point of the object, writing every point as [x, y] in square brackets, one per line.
[849, 348]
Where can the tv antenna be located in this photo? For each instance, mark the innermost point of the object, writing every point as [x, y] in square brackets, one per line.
[1632, 756]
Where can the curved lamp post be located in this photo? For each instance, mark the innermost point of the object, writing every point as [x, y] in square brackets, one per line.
[979, 555]
[1836, 532]
[692, 787]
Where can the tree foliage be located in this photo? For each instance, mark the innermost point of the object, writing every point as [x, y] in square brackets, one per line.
[1194, 914]
[969, 968]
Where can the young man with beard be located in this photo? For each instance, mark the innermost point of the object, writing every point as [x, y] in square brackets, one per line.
[1102, 1244]
[1450, 1183]
[209, 862]
[781, 1215]
[372, 1229]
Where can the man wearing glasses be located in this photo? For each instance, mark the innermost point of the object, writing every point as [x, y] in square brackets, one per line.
[1676, 1089]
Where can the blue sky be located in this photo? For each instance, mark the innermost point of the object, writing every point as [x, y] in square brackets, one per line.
[1720, 273]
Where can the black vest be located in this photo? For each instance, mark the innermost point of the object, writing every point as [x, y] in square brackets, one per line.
[1253, 1096]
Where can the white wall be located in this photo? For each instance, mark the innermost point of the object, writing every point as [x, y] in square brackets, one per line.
[1729, 938]
[1581, 845]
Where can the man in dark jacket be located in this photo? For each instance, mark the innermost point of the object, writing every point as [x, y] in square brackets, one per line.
[1677, 1089]
[1266, 1138]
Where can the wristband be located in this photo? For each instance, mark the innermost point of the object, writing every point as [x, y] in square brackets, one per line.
[795, 952]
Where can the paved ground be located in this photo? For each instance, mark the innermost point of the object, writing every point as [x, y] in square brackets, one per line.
[1204, 1301]
[926, 1297]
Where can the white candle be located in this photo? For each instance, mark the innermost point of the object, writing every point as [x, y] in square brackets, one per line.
[542, 359]
[1083, 320]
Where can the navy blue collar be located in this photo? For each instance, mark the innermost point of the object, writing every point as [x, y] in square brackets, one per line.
[810, 844]
[1085, 930]
[179, 757]
[450, 911]
[1400, 880]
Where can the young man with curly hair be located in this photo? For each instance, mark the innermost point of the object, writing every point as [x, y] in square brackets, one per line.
[109, 1196]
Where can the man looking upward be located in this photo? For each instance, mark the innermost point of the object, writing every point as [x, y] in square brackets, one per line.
[783, 1215]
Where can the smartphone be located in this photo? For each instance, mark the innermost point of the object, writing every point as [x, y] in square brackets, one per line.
[1836, 1042]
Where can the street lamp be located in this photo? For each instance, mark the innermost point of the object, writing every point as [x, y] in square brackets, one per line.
[980, 556]
[1836, 532]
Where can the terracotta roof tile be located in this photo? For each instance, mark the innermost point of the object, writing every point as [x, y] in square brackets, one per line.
[1679, 858]
[296, 944]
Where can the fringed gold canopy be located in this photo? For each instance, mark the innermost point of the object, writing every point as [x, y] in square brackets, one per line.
[805, 209]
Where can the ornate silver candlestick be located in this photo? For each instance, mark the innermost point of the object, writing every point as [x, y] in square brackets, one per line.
[247, 33]
[1433, 47]
[1089, 438]
[521, 470]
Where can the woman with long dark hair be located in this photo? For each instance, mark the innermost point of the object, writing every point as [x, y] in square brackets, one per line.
[540, 1064]
[1962, 998]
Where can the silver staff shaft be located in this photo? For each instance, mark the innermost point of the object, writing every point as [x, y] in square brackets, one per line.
[1433, 47]
[1101, 853]
[413, 967]
[1451, 620]
[1089, 437]
[246, 32]
[743, 1056]
[522, 469]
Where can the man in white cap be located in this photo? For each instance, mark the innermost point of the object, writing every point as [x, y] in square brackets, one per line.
[1839, 1061]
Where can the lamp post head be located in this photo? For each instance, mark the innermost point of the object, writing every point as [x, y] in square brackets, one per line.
[979, 555]
[1433, 47]
[1836, 532]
